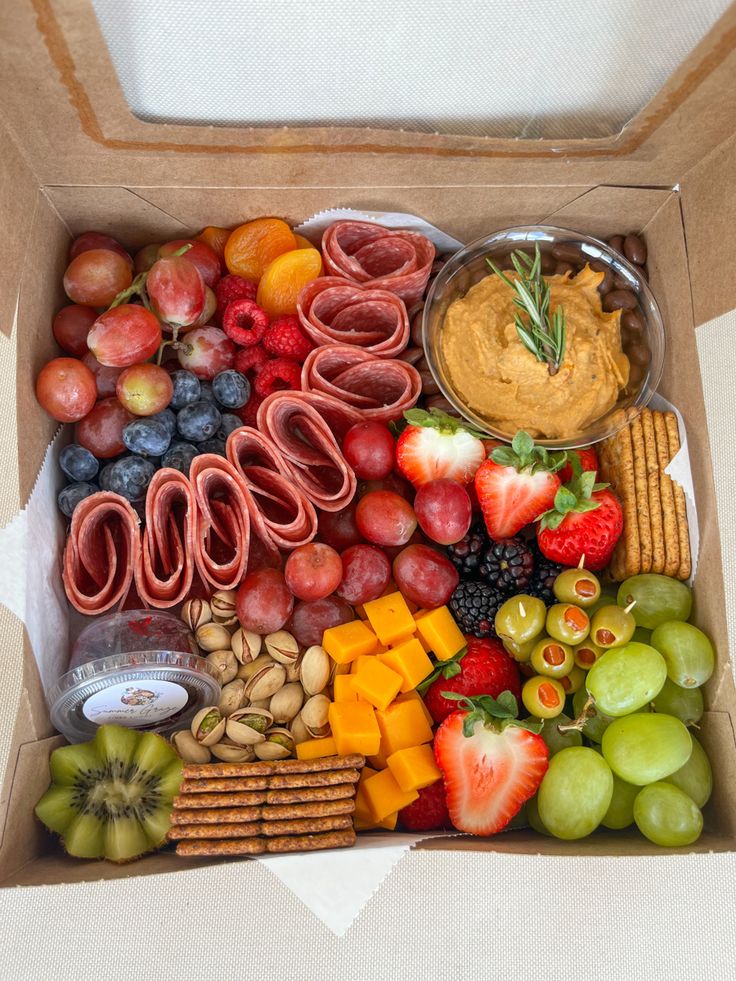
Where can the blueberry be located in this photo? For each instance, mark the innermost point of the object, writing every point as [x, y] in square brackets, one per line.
[232, 390]
[179, 456]
[131, 476]
[72, 494]
[168, 418]
[198, 421]
[104, 478]
[186, 389]
[149, 437]
[214, 445]
[206, 394]
[228, 424]
[78, 463]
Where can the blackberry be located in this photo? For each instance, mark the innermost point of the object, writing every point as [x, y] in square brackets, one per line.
[474, 605]
[507, 565]
[543, 577]
[466, 554]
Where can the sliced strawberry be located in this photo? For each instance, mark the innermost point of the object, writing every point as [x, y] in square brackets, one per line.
[491, 764]
[436, 445]
[516, 485]
[588, 459]
[586, 522]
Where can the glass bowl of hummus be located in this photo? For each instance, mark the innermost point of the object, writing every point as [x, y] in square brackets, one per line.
[537, 341]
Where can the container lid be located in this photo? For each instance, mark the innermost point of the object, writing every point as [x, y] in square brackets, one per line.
[132, 630]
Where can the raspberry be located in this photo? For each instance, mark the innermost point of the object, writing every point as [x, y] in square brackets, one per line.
[277, 376]
[249, 411]
[284, 338]
[429, 811]
[244, 322]
[234, 288]
[250, 359]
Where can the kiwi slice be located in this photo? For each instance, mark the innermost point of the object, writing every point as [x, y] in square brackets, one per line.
[112, 797]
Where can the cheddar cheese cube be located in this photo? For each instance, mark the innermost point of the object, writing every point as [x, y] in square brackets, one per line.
[348, 640]
[414, 768]
[416, 697]
[361, 659]
[401, 725]
[377, 683]
[384, 796]
[378, 761]
[354, 728]
[342, 689]
[440, 633]
[390, 617]
[312, 749]
[362, 817]
[410, 661]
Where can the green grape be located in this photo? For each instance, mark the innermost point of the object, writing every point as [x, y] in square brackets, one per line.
[597, 723]
[686, 704]
[532, 816]
[695, 777]
[642, 636]
[658, 599]
[552, 736]
[642, 748]
[626, 678]
[667, 816]
[620, 813]
[575, 792]
[519, 820]
[688, 652]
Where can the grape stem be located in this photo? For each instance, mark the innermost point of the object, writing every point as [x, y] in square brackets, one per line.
[587, 712]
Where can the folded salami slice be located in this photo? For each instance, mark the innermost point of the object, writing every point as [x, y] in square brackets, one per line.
[223, 527]
[381, 388]
[382, 258]
[303, 425]
[101, 554]
[279, 509]
[166, 566]
[332, 311]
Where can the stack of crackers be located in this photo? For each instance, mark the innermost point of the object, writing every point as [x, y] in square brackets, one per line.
[656, 536]
[254, 808]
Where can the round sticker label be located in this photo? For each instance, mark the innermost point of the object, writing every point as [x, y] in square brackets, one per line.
[130, 704]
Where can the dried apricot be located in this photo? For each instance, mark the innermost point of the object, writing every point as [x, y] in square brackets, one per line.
[253, 246]
[284, 278]
[216, 238]
[303, 243]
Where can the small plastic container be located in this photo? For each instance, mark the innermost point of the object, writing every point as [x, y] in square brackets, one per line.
[138, 669]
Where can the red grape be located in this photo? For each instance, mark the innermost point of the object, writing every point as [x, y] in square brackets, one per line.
[208, 311]
[206, 351]
[264, 602]
[369, 449]
[417, 538]
[96, 240]
[146, 257]
[313, 571]
[101, 431]
[424, 576]
[176, 290]
[71, 326]
[443, 510]
[200, 254]
[310, 620]
[144, 389]
[124, 336]
[106, 378]
[366, 572]
[384, 518]
[96, 277]
[338, 528]
[393, 482]
[66, 389]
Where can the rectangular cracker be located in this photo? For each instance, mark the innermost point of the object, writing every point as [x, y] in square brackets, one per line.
[617, 469]
[683, 528]
[669, 516]
[298, 826]
[642, 495]
[265, 768]
[327, 778]
[257, 846]
[299, 795]
[262, 812]
[656, 522]
[248, 829]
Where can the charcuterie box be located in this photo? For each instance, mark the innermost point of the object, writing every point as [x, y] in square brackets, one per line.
[74, 158]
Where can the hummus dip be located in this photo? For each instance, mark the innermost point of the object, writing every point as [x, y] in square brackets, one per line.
[492, 372]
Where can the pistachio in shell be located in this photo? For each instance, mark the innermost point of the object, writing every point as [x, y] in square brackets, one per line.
[250, 668]
[246, 645]
[229, 752]
[222, 604]
[195, 613]
[247, 726]
[278, 745]
[298, 730]
[231, 697]
[266, 681]
[314, 716]
[259, 703]
[225, 664]
[208, 725]
[282, 646]
[188, 748]
[293, 670]
[287, 701]
[339, 669]
[315, 669]
[213, 637]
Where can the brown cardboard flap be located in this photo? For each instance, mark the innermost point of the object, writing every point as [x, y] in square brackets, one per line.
[18, 188]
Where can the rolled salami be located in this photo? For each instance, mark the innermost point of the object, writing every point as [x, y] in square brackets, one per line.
[223, 527]
[166, 565]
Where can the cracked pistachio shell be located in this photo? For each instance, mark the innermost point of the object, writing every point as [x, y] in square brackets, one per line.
[231, 697]
[293, 670]
[213, 637]
[229, 752]
[314, 716]
[286, 702]
[246, 645]
[298, 730]
[266, 681]
[188, 748]
[315, 669]
[282, 646]
[195, 613]
[259, 703]
[250, 668]
[208, 725]
[225, 664]
[278, 745]
[247, 726]
[339, 669]
[222, 604]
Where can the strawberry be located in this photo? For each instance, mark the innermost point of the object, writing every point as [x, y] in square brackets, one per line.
[587, 458]
[428, 812]
[516, 484]
[484, 668]
[436, 445]
[491, 763]
[584, 523]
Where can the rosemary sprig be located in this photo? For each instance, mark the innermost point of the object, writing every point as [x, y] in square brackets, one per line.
[544, 335]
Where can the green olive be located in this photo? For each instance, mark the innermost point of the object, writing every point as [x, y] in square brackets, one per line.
[587, 653]
[567, 623]
[520, 619]
[577, 586]
[543, 697]
[519, 652]
[574, 681]
[552, 658]
[612, 626]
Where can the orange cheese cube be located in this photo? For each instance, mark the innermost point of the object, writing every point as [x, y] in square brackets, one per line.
[390, 618]
[378, 761]
[390, 821]
[362, 817]
[401, 725]
[342, 689]
[384, 796]
[416, 697]
[312, 749]
[440, 633]
[348, 640]
[420, 613]
[377, 683]
[361, 659]
[410, 661]
[414, 768]
[354, 728]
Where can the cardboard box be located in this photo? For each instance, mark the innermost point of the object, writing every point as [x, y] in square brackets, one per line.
[75, 158]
